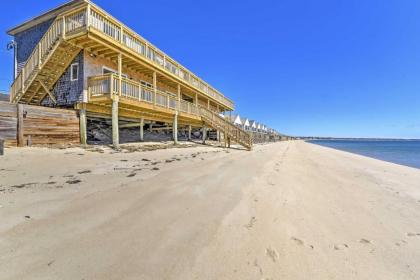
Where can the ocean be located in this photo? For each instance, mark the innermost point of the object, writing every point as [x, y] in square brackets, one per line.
[405, 152]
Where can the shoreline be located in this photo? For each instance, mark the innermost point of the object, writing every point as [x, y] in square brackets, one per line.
[284, 210]
[378, 155]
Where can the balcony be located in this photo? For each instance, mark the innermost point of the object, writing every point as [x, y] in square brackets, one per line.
[103, 88]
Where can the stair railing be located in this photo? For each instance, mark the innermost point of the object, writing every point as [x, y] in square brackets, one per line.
[43, 49]
[235, 133]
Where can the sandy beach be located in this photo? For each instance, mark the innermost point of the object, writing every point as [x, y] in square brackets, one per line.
[289, 210]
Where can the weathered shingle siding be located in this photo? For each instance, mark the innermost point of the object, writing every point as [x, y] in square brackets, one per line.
[27, 40]
[65, 91]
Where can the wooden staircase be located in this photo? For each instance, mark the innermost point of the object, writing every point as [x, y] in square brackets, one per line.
[231, 131]
[47, 63]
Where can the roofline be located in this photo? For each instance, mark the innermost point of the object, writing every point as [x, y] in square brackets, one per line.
[45, 16]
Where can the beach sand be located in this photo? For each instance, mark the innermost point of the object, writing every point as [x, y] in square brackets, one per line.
[289, 210]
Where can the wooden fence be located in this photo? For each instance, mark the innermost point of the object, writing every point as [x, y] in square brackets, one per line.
[24, 125]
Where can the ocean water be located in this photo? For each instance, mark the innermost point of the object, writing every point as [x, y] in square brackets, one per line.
[396, 151]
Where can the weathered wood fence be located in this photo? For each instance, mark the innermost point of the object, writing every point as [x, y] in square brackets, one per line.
[22, 125]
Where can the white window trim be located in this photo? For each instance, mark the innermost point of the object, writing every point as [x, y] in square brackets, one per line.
[71, 72]
[113, 70]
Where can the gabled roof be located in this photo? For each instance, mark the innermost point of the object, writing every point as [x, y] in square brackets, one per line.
[253, 124]
[46, 16]
[237, 120]
[245, 121]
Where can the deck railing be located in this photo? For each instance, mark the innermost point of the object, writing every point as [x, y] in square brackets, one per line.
[111, 27]
[37, 58]
[99, 86]
[73, 22]
[94, 18]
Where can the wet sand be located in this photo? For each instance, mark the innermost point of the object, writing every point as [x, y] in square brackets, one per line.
[289, 210]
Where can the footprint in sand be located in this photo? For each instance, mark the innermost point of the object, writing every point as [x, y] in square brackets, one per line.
[400, 243]
[73, 182]
[251, 223]
[297, 241]
[412, 234]
[364, 241]
[272, 254]
[340, 246]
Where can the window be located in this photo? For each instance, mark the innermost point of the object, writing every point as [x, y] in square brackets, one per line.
[74, 72]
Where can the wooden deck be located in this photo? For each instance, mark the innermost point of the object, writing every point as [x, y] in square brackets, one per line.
[89, 28]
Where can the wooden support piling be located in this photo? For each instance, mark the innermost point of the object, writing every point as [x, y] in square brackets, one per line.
[189, 132]
[115, 129]
[1, 147]
[142, 129]
[204, 134]
[82, 123]
[20, 139]
[175, 128]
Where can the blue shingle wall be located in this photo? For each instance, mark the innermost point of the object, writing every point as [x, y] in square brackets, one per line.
[65, 91]
[27, 40]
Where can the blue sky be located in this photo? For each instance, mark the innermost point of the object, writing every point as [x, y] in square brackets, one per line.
[324, 68]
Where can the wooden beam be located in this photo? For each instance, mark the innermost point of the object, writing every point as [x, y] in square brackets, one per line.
[48, 92]
[35, 92]
[82, 126]
[20, 125]
[115, 129]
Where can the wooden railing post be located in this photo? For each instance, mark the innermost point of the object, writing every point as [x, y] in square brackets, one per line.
[139, 92]
[87, 16]
[63, 27]
[120, 74]
[179, 97]
[154, 87]
[39, 56]
[22, 73]
[111, 85]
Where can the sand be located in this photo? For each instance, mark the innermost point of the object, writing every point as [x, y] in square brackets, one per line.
[288, 210]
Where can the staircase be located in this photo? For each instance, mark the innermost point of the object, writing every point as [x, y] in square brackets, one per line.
[231, 131]
[47, 63]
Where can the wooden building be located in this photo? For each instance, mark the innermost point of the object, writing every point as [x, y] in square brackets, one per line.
[79, 56]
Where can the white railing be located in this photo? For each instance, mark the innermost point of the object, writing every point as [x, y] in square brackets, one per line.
[104, 23]
[73, 22]
[111, 27]
[99, 86]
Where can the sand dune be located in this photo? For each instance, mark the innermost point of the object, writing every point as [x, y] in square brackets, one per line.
[289, 210]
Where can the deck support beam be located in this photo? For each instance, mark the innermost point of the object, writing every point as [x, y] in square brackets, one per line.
[115, 129]
[142, 129]
[82, 126]
[175, 128]
[47, 91]
[20, 125]
[204, 134]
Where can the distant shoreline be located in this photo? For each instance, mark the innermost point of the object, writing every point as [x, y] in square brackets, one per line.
[404, 152]
[361, 139]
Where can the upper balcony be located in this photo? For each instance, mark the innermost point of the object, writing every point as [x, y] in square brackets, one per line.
[88, 26]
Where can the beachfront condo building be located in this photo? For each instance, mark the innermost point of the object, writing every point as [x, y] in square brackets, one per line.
[79, 56]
